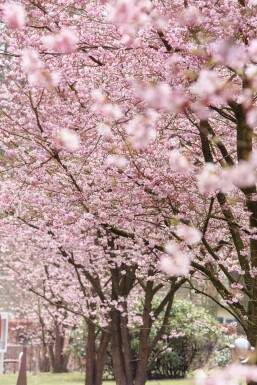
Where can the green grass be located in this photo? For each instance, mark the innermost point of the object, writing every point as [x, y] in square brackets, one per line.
[72, 379]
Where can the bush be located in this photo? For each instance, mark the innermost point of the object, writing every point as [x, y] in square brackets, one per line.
[191, 336]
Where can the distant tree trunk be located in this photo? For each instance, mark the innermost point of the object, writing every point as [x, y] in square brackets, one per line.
[58, 359]
[142, 363]
[95, 355]
[44, 362]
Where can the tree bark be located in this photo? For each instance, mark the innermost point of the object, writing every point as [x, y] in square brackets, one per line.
[117, 353]
[101, 356]
[90, 354]
[143, 353]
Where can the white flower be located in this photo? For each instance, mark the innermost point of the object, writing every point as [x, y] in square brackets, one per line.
[69, 139]
[191, 235]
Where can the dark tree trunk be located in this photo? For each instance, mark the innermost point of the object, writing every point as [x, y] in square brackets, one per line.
[90, 354]
[44, 361]
[58, 358]
[101, 356]
[143, 353]
[95, 356]
[117, 352]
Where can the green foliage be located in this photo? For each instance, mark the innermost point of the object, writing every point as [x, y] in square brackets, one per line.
[190, 338]
[77, 345]
[222, 353]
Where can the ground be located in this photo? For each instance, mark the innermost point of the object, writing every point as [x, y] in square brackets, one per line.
[72, 379]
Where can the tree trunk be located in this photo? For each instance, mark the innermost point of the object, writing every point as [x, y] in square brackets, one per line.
[143, 353]
[101, 356]
[90, 354]
[58, 359]
[117, 352]
[59, 366]
[44, 362]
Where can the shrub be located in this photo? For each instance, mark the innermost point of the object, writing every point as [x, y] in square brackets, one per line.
[191, 336]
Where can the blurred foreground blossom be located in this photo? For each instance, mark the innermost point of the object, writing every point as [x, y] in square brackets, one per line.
[30, 60]
[178, 161]
[118, 161]
[191, 235]
[14, 15]
[231, 375]
[175, 263]
[63, 42]
[69, 139]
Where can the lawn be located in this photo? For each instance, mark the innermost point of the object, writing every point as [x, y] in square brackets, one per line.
[72, 378]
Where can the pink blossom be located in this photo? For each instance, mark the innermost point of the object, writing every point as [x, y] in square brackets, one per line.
[252, 50]
[63, 42]
[118, 161]
[175, 263]
[209, 180]
[178, 161]
[69, 139]
[191, 235]
[207, 84]
[104, 130]
[231, 55]
[162, 96]
[141, 129]
[30, 60]
[231, 375]
[191, 17]
[252, 117]
[111, 110]
[242, 175]
[130, 16]
[14, 15]
[44, 79]
[105, 107]
[236, 285]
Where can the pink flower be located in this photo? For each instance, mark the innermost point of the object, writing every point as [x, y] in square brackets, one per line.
[14, 15]
[191, 17]
[178, 162]
[141, 129]
[207, 84]
[118, 161]
[252, 117]
[252, 50]
[44, 79]
[63, 42]
[130, 15]
[231, 375]
[231, 55]
[30, 60]
[162, 96]
[175, 263]
[209, 179]
[191, 235]
[104, 130]
[69, 139]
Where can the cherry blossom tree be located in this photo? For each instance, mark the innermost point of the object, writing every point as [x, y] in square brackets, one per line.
[127, 136]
